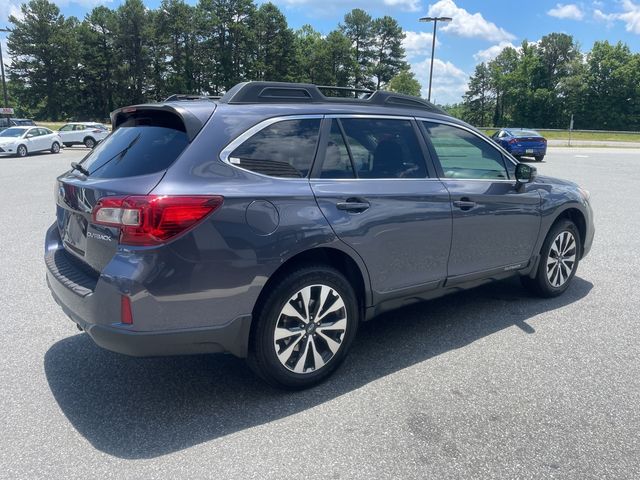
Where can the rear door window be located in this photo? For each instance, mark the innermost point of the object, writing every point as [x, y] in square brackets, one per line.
[142, 144]
[380, 148]
[284, 149]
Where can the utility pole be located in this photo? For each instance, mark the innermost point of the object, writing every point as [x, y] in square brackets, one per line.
[4, 82]
[435, 21]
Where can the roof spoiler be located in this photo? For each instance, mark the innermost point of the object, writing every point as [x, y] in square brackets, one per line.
[193, 118]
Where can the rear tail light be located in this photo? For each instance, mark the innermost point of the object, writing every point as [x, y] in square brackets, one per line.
[126, 316]
[513, 141]
[97, 130]
[153, 219]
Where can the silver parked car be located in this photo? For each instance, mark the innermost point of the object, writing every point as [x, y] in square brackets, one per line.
[22, 141]
[83, 133]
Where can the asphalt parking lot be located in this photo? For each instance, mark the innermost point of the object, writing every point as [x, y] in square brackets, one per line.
[489, 383]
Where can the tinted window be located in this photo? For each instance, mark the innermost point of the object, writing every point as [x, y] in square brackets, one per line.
[337, 163]
[464, 155]
[284, 149]
[384, 148]
[139, 146]
[66, 128]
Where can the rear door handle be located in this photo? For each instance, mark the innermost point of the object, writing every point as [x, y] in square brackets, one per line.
[353, 205]
[464, 204]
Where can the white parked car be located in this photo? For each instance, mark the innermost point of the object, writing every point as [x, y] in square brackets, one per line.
[22, 141]
[83, 133]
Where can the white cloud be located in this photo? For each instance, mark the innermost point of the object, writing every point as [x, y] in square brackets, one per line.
[406, 5]
[449, 82]
[569, 11]
[9, 7]
[467, 24]
[492, 52]
[630, 15]
[418, 44]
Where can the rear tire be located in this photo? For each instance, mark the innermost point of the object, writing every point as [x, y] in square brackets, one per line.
[21, 151]
[55, 148]
[559, 259]
[89, 142]
[304, 328]
[539, 158]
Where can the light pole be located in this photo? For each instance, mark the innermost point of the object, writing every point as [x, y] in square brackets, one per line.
[4, 83]
[435, 21]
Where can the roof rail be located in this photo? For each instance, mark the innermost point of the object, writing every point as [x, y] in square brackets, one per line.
[176, 97]
[283, 92]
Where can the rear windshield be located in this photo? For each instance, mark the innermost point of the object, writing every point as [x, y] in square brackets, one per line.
[524, 133]
[139, 146]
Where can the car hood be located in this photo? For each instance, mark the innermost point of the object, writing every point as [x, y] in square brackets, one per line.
[8, 140]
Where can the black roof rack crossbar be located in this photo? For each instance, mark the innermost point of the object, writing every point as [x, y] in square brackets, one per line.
[283, 92]
[345, 89]
[176, 97]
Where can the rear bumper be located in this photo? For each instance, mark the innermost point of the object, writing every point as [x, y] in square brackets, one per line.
[533, 151]
[231, 337]
[94, 305]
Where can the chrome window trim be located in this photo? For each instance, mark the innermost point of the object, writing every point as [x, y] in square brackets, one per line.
[226, 152]
[240, 139]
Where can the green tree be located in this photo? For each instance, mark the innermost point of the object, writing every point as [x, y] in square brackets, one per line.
[43, 47]
[478, 98]
[132, 57]
[97, 33]
[358, 27]
[274, 41]
[388, 58]
[337, 61]
[308, 50]
[405, 82]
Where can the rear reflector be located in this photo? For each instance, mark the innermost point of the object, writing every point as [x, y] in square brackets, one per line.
[126, 316]
[153, 219]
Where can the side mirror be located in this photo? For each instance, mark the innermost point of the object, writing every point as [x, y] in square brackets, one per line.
[29, 135]
[525, 174]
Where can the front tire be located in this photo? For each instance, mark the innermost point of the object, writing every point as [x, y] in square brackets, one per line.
[304, 328]
[66, 144]
[21, 151]
[55, 148]
[89, 142]
[559, 261]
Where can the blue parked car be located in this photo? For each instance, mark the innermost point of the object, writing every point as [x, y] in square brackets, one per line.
[522, 143]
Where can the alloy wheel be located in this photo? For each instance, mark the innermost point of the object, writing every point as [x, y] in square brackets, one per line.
[310, 329]
[561, 260]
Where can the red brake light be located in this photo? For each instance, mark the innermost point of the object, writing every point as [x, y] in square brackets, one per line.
[126, 316]
[153, 219]
[513, 141]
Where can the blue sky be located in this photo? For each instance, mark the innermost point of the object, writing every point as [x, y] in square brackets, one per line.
[479, 31]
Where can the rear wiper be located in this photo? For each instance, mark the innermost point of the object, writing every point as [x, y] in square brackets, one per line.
[80, 168]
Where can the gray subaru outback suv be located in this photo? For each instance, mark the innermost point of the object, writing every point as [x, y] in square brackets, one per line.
[271, 222]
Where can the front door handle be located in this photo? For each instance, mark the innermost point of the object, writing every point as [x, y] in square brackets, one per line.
[356, 205]
[464, 204]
